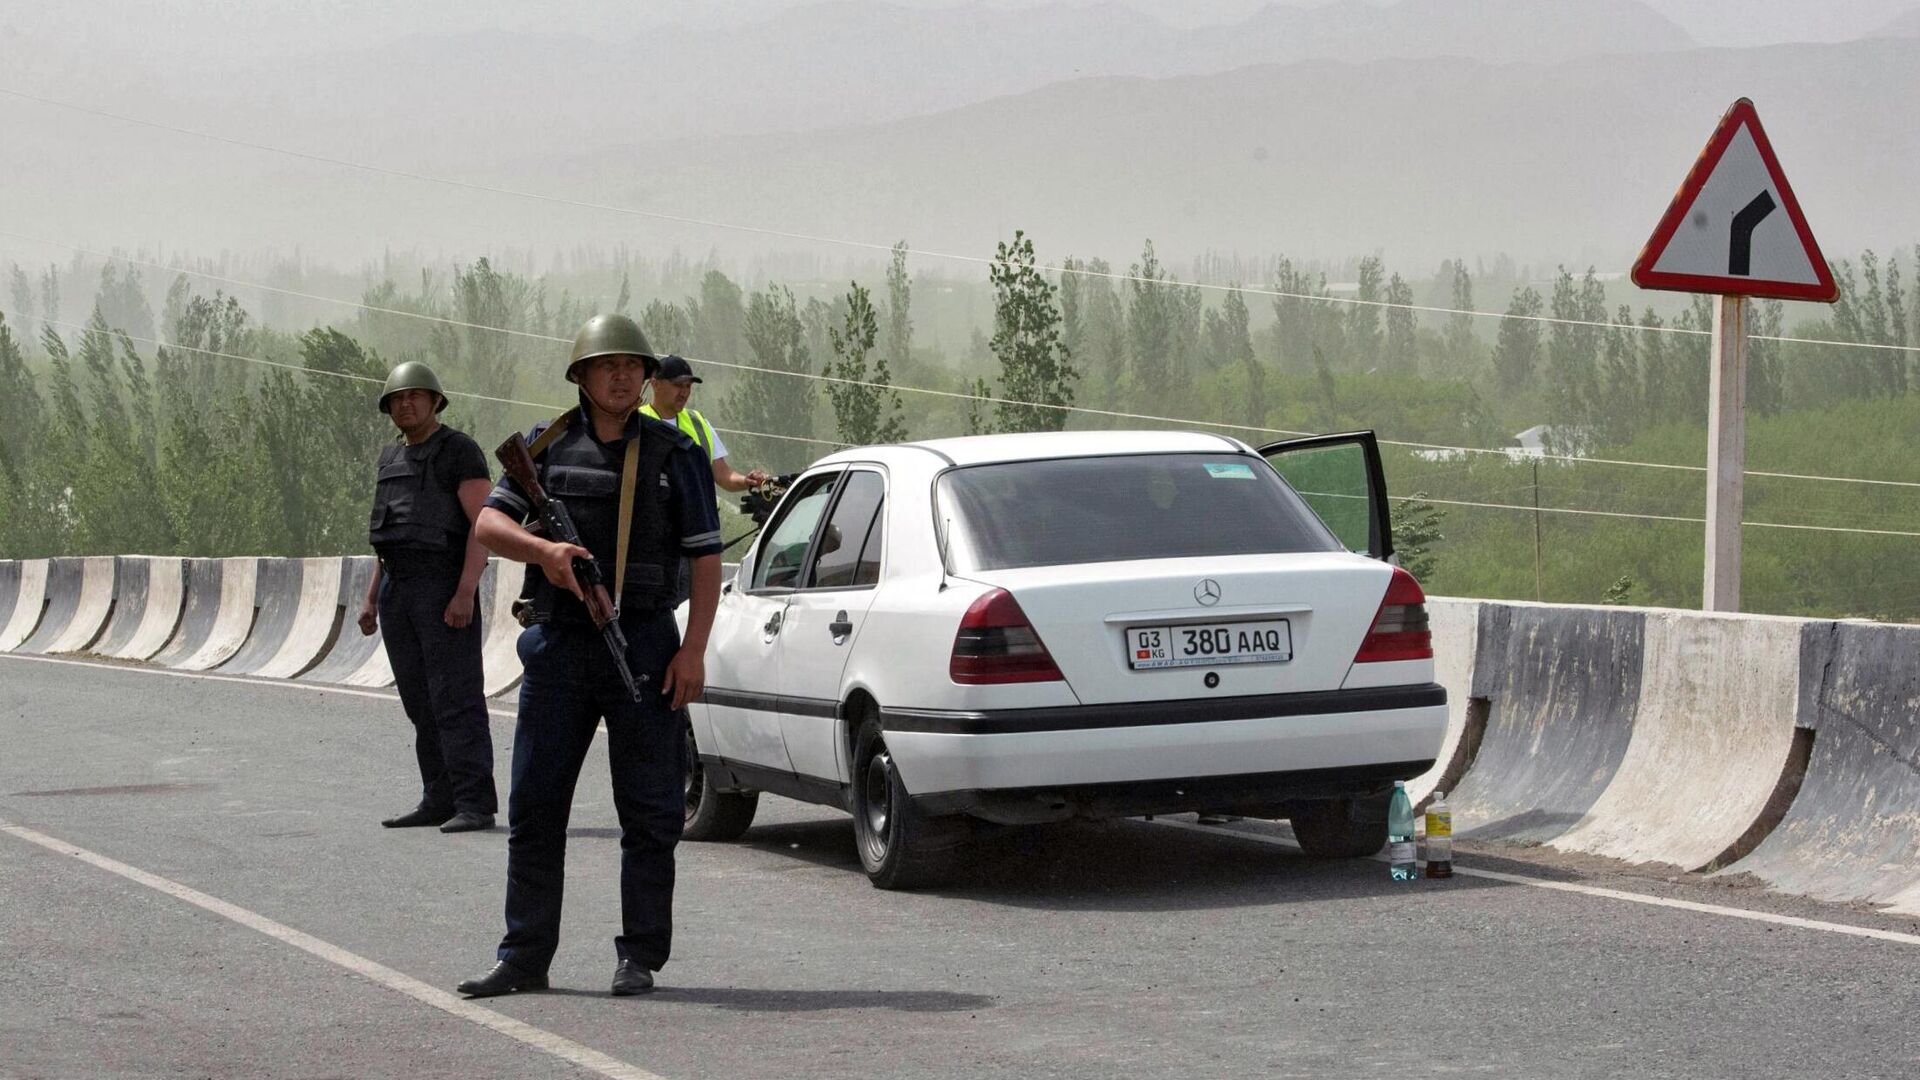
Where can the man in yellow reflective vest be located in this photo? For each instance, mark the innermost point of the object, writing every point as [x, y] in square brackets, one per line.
[672, 387]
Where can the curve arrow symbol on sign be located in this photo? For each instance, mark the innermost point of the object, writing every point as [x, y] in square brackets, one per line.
[1740, 249]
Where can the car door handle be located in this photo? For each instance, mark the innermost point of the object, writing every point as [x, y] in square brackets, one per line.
[772, 629]
[840, 628]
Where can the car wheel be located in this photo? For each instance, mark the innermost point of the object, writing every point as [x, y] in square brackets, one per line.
[1341, 828]
[713, 815]
[900, 848]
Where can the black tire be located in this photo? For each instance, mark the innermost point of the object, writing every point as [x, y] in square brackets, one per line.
[900, 848]
[714, 815]
[1342, 828]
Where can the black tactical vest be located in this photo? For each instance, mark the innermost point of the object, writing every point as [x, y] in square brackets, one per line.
[585, 476]
[411, 510]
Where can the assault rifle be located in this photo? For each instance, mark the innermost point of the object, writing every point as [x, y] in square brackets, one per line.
[558, 526]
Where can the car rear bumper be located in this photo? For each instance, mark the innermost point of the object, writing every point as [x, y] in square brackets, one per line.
[1163, 757]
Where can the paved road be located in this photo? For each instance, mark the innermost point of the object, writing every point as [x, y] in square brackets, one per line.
[1119, 950]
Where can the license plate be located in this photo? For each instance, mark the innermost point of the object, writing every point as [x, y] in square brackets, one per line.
[1207, 645]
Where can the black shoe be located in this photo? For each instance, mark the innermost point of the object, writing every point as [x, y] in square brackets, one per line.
[417, 817]
[503, 979]
[468, 821]
[630, 978]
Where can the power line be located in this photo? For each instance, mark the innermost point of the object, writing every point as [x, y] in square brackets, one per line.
[1513, 454]
[303, 370]
[868, 245]
[829, 442]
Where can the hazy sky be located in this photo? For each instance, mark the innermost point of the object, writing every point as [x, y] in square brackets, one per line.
[220, 27]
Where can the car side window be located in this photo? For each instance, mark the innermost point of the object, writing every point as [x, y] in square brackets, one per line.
[839, 552]
[783, 552]
[868, 572]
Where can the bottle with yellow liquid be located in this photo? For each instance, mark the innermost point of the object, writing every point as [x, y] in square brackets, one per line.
[1439, 837]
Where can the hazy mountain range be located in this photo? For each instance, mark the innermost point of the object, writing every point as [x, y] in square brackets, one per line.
[1548, 128]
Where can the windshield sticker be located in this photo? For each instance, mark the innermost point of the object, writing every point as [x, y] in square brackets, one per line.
[1229, 470]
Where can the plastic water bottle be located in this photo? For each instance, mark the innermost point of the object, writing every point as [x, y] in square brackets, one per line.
[1400, 850]
[1439, 837]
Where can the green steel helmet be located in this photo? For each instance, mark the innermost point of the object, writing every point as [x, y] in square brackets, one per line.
[412, 375]
[610, 335]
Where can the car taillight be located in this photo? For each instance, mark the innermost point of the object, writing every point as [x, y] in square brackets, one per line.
[996, 644]
[1400, 628]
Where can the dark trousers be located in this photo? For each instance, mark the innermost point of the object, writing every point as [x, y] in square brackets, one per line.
[437, 670]
[569, 686]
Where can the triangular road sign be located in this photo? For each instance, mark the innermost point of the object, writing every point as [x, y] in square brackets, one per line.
[1735, 226]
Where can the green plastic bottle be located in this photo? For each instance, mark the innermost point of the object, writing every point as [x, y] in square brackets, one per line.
[1401, 856]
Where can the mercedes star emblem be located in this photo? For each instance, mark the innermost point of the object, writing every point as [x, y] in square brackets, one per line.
[1207, 592]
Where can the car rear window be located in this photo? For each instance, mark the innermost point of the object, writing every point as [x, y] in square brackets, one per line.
[1116, 509]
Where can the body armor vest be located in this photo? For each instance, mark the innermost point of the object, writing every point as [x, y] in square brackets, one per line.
[411, 510]
[585, 476]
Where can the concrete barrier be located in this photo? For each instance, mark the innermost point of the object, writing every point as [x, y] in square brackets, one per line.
[351, 651]
[201, 612]
[79, 602]
[499, 651]
[298, 615]
[1853, 831]
[1712, 737]
[1456, 636]
[313, 624]
[148, 596]
[23, 599]
[1563, 685]
[233, 616]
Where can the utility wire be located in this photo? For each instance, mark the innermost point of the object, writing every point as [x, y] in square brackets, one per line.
[301, 369]
[1512, 453]
[868, 245]
[828, 442]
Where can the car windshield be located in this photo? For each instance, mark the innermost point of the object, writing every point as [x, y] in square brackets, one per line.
[1123, 508]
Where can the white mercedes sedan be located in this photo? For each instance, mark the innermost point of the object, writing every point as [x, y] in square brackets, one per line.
[1022, 629]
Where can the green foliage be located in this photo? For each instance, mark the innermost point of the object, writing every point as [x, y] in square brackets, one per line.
[865, 406]
[1036, 371]
[779, 404]
[1620, 592]
[1416, 531]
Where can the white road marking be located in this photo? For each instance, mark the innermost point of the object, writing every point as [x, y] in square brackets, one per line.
[285, 684]
[538, 1038]
[1597, 891]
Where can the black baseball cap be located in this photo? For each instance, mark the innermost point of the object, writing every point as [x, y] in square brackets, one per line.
[676, 369]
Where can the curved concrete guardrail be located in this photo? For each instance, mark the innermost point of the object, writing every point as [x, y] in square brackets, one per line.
[316, 622]
[1853, 831]
[149, 594]
[499, 651]
[299, 614]
[201, 613]
[233, 616]
[23, 590]
[1564, 686]
[354, 656]
[1784, 749]
[79, 601]
[1456, 636]
[1712, 736]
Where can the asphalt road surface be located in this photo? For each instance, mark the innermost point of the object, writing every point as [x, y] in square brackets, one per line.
[193, 883]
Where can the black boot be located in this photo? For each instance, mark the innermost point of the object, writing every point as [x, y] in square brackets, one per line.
[468, 821]
[503, 979]
[419, 816]
[631, 977]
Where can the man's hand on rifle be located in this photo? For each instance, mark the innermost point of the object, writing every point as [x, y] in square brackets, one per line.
[556, 561]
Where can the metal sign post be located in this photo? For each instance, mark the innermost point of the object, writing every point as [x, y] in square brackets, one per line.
[1722, 234]
[1726, 454]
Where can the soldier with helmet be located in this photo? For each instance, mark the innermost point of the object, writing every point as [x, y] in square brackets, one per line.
[640, 494]
[432, 483]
